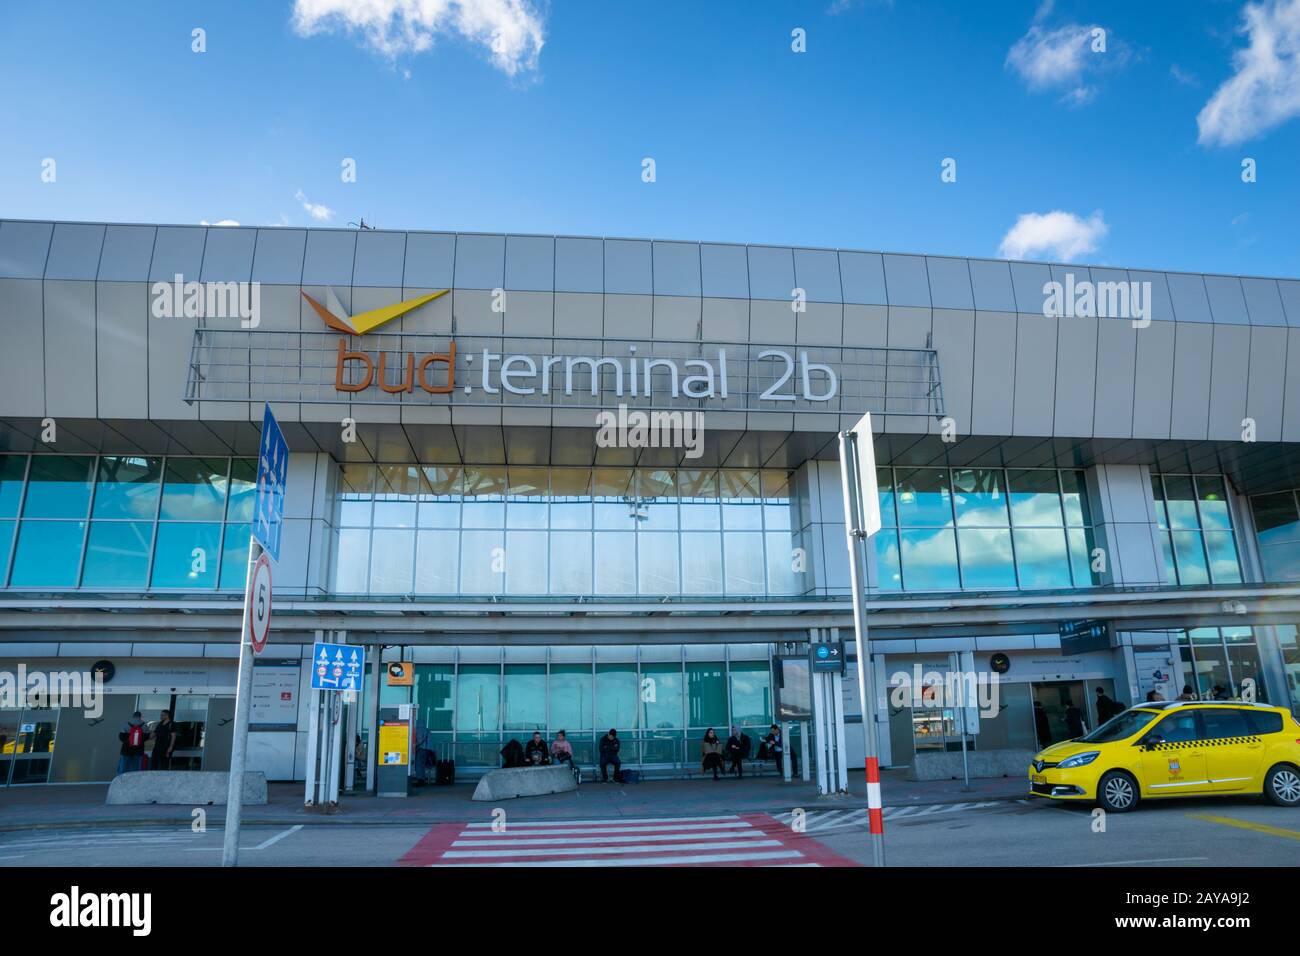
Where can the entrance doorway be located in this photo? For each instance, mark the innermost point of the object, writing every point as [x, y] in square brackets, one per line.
[1059, 710]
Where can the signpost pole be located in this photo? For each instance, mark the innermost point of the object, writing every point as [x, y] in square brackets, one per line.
[243, 694]
[862, 519]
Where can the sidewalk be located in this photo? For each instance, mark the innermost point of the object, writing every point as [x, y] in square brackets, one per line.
[23, 808]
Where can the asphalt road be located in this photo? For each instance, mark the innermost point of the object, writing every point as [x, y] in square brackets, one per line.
[1022, 833]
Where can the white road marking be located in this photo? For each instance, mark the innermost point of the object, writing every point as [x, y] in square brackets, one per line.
[571, 851]
[278, 837]
[1168, 859]
[690, 860]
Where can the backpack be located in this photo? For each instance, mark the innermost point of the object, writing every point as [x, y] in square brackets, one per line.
[135, 736]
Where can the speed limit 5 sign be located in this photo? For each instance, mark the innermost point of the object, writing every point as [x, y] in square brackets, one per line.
[259, 603]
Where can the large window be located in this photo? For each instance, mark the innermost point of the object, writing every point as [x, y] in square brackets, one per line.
[1215, 663]
[124, 522]
[982, 529]
[1277, 528]
[1196, 535]
[660, 706]
[529, 530]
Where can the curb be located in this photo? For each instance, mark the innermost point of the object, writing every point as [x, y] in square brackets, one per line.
[341, 819]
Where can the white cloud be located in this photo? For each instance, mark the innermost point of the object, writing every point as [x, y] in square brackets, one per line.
[317, 211]
[219, 222]
[1181, 75]
[1265, 89]
[1053, 235]
[1058, 58]
[511, 31]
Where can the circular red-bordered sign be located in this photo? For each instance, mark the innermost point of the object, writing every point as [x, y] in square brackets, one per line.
[259, 603]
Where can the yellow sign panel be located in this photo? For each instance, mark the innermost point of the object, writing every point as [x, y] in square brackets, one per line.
[394, 743]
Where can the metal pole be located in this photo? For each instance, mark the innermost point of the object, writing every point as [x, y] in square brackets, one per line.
[239, 745]
[866, 676]
[376, 651]
[955, 659]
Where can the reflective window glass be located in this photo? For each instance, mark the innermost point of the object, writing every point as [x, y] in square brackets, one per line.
[47, 554]
[1190, 555]
[234, 556]
[351, 560]
[526, 493]
[571, 689]
[1041, 558]
[885, 494]
[484, 502]
[1035, 498]
[392, 561]
[657, 563]
[186, 555]
[615, 499]
[523, 698]
[743, 560]
[127, 487]
[741, 500]
[570, 562]
[888, 574]
[699, 508]
[616, 698]
[1180, 501]
[1074, 499]
[355, 496]
[986, 558]
[1081, 548]
[117, 554]
[615, 562]
[701, 563]
[58, 486]
[194, 489]
[979, 497]
[478, 698]
[437, 565]
[12, 470]
[1222, 549]
[440, 501]
[751, 693]
[656, 499]
[706, 684]
[1212, 492]
[483, 562]
[781, 575]
[398, 490]
[243, 489]
[526, 562]
[929, 560]
[661, 696]
[924, 498]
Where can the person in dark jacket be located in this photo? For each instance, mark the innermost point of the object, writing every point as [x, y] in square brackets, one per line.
[609, 747]
[512, 754]
[775, 748]
[1042, 726]
[164, 742]
[1105, 707]
[737, 752]
[1073, 720]
[535, 752]
[133, 735]
[711, 753]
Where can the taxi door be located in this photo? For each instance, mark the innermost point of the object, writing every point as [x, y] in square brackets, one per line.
[1233, 751]
[1173, 757]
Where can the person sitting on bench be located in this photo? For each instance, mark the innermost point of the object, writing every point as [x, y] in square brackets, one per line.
[609, 747]
[535, 752]
[711, 753]
[561, 749]
[737, 751]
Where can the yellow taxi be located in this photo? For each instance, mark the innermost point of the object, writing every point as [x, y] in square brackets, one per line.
[1175, 749]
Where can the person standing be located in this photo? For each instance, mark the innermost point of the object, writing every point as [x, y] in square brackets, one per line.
[133, 735]
[609, 747]
[164, 742]
[1042, 726]
[1105, 707]
[1073, 721]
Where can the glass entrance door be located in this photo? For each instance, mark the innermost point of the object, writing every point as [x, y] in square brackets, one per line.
[1059, 711]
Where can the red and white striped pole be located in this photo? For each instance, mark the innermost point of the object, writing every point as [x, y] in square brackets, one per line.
[875, 812]
[861, 521]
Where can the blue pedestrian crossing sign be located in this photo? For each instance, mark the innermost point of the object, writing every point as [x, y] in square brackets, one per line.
[336, 667]
[272, 469]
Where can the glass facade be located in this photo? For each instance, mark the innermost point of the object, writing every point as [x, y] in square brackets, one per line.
[1277, 529]
[121, 522]
[660, 708]
[1196, 534]
[982, 529]
[528, 530]
[1215, 660]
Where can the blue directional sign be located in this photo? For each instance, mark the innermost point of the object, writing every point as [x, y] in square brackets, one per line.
[827, 658]
[272, 469]
[336, 667]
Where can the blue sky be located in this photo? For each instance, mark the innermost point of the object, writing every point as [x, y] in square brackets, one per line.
[544, 128]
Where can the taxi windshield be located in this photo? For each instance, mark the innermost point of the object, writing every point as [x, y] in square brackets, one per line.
[1118, 728]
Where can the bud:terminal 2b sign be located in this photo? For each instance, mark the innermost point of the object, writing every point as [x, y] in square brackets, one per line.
[490, 372]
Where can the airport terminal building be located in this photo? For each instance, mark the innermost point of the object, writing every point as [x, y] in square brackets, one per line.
[470, 490]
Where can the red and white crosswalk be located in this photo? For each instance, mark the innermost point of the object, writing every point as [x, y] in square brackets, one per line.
[749, 839]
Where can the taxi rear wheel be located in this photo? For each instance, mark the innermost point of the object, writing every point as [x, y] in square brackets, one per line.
[1117, 792]
[1282, 785]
